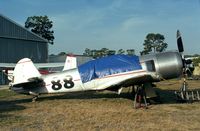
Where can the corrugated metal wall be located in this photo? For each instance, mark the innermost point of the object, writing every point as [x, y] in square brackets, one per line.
[12, 50]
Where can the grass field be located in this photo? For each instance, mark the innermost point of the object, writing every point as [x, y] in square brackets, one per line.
[98, 111]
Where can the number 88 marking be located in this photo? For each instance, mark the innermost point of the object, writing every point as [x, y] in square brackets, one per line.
[68, 82]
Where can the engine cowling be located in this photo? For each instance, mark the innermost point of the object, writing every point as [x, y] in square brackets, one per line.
[167, 64]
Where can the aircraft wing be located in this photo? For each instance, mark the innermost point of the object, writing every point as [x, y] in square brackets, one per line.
[49, 65]
[38, 65]
[140, 79]
[115, 84]
[7, 65]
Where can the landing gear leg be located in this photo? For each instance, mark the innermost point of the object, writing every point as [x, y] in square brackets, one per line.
[139, 95]
[35, 98]
[184, 89]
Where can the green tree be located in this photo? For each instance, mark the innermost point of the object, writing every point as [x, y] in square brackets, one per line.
[87, 52]
[41, 25]
[111, 52]
[120, 51]
[104, 52]
[130, 52]
[94, 53]
[154, 43]
[98, 53]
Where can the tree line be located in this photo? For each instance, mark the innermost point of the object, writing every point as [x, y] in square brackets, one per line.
[106, 52]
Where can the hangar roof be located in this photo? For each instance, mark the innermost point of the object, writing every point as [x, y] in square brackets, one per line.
[11, 30]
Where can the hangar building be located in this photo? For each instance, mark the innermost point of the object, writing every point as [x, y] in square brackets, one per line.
[16, 42]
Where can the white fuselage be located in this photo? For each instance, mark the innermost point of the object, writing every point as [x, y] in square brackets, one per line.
[70, 81]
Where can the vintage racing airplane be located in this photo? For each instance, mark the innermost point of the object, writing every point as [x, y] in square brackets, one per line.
[107, 73]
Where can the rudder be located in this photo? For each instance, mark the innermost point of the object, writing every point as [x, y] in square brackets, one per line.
[23, 71]
[70, 63]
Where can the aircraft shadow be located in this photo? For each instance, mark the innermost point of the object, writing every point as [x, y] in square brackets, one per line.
[86, 95]
[10, 105]
[164, 96]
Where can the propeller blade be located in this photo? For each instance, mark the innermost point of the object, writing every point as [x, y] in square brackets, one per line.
[179, 42]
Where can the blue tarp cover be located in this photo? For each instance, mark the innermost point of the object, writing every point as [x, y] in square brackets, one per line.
[107, 66]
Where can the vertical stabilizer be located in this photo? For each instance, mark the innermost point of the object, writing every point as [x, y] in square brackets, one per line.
[70, 63]
[23, 71]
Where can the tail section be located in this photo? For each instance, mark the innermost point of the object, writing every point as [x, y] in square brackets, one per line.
[23, 71]
[70, 63]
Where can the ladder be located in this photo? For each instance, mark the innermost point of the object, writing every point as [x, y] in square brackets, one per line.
[185, 95]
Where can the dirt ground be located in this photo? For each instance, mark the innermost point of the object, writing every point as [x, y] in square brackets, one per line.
[98, 111]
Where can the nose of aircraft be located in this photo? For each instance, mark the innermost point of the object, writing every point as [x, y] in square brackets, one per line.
[169, 64]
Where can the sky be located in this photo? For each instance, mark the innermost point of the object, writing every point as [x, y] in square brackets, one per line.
[113, 24]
